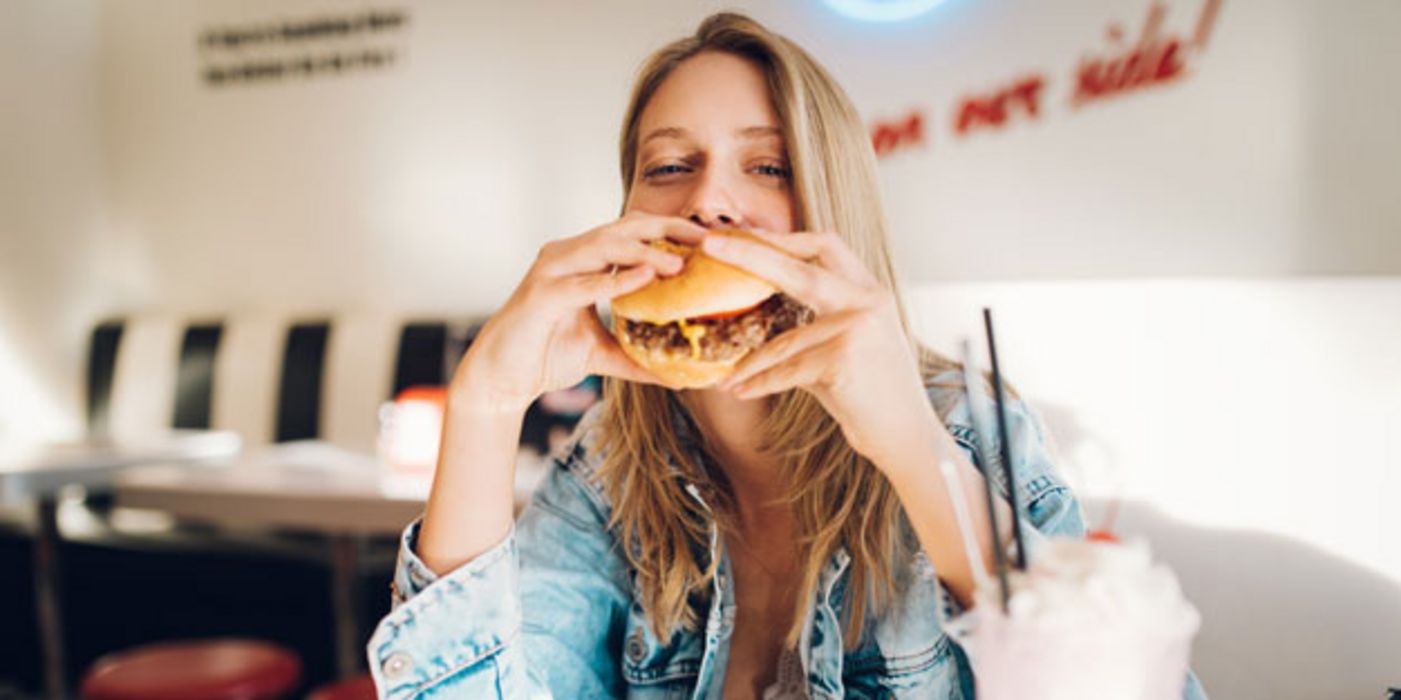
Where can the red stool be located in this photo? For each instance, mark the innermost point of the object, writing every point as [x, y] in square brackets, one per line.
[211, 669]
[357, 688]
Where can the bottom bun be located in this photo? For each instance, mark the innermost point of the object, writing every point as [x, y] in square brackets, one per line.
[679, 371]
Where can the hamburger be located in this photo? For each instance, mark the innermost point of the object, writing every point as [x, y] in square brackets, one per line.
[691, 329]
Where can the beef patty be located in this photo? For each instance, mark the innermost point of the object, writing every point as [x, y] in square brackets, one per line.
[722, 339]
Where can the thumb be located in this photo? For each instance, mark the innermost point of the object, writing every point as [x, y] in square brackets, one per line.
[611, 361]
[606, 358]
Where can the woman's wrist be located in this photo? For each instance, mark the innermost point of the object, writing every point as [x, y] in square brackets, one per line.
[915, 476]
[914, 448]
[478, 393]
[479, 401]
[918, 460]
[472, 501]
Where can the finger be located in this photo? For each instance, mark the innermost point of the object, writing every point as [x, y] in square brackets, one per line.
[616, 363]
[805, 370]
[827, 248]
[607, 359]
[665, 262]
[598, 252]
[650, 227]
[786, 345]
[595, 287]
[805, 281]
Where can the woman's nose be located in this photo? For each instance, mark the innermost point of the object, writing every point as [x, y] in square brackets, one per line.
[711, 205]
[713, 221]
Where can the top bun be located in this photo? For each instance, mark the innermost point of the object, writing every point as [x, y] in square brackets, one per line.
[704, 286]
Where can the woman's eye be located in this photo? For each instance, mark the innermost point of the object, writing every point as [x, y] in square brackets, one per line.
[778, 171]
[662, 170]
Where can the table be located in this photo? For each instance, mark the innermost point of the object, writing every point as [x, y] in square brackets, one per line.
[40, 471]
[309, 486]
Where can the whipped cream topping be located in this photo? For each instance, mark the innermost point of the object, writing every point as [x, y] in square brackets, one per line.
[1071, 583]
[1086, 621]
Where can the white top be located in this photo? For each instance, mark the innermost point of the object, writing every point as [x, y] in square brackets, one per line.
[791, 683]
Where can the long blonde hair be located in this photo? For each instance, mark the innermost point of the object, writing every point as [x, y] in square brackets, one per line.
[838, 498]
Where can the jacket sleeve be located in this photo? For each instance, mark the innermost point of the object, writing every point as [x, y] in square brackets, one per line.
[1047, 505]
[539, 615]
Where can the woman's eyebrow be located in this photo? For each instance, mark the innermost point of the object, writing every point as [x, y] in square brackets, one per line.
[748, 132]
[759, 132]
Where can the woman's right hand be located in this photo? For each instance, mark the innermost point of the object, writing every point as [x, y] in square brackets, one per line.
[547, 335]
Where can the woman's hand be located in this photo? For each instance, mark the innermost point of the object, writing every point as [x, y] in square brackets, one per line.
[854, 357]
[547, 335]
[856, 360]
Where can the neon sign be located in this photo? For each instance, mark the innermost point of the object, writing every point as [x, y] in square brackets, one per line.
[882, 10]
[1121, 66]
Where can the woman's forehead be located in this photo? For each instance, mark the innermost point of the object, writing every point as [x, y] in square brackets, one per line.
[711, 95]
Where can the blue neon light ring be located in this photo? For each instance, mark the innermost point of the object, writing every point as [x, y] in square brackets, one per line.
[882, 10]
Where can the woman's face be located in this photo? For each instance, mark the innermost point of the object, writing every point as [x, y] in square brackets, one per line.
[710, 148]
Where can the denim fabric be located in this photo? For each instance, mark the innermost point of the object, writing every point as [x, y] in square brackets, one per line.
[551, 611]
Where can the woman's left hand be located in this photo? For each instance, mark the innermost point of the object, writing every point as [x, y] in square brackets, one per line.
[854, 357]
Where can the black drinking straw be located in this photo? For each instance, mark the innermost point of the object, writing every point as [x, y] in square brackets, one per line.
[973, 385]
[1006, 443]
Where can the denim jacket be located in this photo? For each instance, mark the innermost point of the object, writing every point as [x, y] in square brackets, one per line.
[552, 610]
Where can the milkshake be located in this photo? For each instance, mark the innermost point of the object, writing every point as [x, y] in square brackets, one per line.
[1088, 620]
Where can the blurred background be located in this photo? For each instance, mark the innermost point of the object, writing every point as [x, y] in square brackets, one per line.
[262, 222]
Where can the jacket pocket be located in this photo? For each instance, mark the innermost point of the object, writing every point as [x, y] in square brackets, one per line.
[653, 669]
[904, 653]
[924, 673]
[896, 663]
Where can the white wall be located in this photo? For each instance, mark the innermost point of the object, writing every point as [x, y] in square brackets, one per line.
[433, 180]
[55, 251]
[430, 184]
[1272, 156]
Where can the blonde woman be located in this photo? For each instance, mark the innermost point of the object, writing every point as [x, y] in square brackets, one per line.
[782, 535]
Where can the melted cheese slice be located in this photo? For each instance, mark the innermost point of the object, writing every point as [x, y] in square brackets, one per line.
[693, 335]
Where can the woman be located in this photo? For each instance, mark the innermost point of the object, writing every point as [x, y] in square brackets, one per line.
[783, 534]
